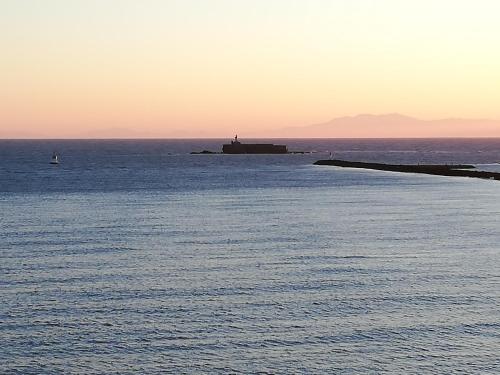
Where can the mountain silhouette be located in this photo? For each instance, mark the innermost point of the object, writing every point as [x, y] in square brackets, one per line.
[395, 125]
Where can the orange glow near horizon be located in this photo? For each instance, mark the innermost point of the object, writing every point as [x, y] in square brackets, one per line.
[122, 68]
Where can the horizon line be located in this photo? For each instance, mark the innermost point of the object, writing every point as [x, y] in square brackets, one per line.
[217, 138]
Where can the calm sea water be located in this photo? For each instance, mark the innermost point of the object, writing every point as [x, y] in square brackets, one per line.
[136, 257]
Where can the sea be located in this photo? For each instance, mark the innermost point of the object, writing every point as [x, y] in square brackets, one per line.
[137, 257]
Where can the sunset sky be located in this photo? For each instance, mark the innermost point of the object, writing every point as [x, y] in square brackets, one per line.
[175, 68]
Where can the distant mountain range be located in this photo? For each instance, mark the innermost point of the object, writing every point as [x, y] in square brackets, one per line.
[394, 126]
[391, 125]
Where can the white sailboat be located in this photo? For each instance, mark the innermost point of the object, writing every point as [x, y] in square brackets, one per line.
[55, 159]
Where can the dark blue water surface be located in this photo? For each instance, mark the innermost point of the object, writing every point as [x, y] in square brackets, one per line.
[135, 257]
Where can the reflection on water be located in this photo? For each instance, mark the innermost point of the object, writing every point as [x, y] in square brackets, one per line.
[150, 263]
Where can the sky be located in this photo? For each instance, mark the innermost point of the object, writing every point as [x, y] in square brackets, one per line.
[211, 68]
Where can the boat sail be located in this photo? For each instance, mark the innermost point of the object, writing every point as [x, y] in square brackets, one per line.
[55, 159]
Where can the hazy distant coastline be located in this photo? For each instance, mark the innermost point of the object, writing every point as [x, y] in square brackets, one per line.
[395, 126]
[392, 125]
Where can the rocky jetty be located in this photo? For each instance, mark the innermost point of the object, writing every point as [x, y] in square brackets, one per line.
[458, 170]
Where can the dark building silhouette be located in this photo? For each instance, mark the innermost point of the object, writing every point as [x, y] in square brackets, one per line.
[236, 147]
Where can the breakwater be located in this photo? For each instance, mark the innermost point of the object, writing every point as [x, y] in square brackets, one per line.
[458, 170]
